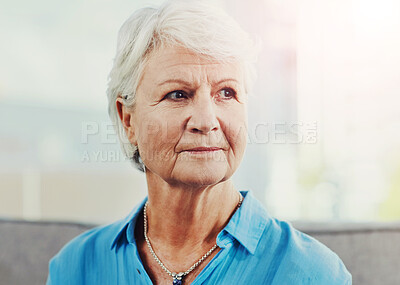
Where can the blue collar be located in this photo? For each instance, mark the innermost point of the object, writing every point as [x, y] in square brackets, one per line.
[123, 224]
[246, 225]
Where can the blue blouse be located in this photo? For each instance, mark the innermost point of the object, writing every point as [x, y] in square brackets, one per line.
[255, 249]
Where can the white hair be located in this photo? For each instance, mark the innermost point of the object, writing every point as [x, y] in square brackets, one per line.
[198, 26]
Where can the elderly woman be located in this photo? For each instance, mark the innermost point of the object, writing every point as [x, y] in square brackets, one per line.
[177, 94]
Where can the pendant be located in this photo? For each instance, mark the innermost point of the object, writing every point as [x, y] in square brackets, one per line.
[177, 278]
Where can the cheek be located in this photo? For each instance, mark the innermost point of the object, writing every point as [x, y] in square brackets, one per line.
[157, 138]
[235, 129]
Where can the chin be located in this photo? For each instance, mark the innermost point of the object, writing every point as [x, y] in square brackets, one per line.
[200, 175]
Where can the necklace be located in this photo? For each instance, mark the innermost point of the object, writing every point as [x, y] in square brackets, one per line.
[177, 277]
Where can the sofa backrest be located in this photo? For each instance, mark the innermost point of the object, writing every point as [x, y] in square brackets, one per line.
[371, 252]
[26, 248]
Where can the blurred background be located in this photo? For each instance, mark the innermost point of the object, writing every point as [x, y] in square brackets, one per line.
[324, 117]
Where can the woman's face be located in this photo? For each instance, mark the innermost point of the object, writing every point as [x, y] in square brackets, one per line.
[190, 120]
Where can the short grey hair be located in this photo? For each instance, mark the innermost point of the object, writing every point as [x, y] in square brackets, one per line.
[197, 25]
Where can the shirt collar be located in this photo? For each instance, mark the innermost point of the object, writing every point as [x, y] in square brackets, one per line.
[246, 225]
[123, 224]
[248, 222]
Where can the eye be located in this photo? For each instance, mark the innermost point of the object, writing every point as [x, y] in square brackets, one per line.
[226, 93]
[176, 95]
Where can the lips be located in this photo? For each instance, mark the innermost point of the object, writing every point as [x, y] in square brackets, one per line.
[203, 149]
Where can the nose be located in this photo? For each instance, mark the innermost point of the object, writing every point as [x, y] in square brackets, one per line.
[203, 116]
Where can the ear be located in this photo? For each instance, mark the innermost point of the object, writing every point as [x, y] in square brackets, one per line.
[126, 116]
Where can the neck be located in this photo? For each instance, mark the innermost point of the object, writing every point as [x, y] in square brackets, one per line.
[182, 217]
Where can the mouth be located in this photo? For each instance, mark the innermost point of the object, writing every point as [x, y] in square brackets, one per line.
[203, 149]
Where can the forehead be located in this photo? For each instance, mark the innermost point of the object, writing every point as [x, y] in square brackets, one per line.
[178, 62]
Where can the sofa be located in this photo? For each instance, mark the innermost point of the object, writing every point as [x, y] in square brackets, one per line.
[370, 251]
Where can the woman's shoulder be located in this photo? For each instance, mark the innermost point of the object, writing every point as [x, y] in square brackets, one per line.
[302, 255]
[86, 254]
[280, 252]
[78, 257]
[87, 243]
[94, 241]
[89, 240]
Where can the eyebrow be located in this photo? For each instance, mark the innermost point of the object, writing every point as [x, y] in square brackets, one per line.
[188, 83]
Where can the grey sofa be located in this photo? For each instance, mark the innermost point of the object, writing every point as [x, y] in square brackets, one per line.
[371, 252]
